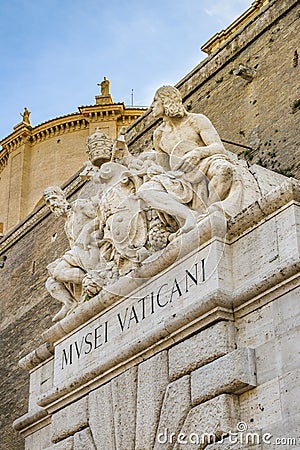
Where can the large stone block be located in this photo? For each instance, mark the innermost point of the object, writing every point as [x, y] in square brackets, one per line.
[112, 412]
[152, 383]
[288, 226]
[289, 386]
[101, 417]
[83, 440]
[40, 381]
[204, 347]
[279, 356]
[124, 390]
[257, 328]
[233, 373]
[257, 249]
[39, 440]
[72, 418]
[176, 404]
[261, 406]
[208, 422]
[286, 312]
[282, 435]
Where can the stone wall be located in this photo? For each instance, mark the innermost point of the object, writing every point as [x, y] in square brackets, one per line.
[217, 357]
[27, 309]
[200, 385]
[259, 114]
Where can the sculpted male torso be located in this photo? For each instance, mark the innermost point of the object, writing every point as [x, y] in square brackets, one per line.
[190, 128]
[199, 172]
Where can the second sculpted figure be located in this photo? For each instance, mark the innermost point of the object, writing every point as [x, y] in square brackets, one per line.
[67, 273]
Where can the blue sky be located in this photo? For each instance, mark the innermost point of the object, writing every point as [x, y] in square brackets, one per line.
[54, 52]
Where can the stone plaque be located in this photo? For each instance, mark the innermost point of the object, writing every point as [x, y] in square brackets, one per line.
[141, 319]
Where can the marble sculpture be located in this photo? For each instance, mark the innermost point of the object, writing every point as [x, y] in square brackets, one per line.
[144, 204]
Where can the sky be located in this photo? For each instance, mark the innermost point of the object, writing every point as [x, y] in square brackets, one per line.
[54, 52]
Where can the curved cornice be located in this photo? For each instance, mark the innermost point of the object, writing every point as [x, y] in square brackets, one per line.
[25, 133]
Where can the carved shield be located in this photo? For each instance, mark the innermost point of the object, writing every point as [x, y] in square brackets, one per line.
[127, 228]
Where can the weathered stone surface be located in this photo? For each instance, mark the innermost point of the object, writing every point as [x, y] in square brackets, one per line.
[232, 373]
[152, 383]
[72, 418]
[208, 421]
[288, 226]
[261, 406]
[39, 440]
[234, 443]
[278, 356]
[83, 440]
[66, 444]
[268, 324]
[124, 391]
[267, 180]
[253, 250]
[257, 328]
[101, 418]
[289, 388]
[40, 381]
[204, 347]
[282, 435]
[286, 312]
[176, 404]
[268, 361]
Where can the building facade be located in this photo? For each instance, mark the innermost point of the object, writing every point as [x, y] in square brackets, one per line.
[59, 146]
[249, 87]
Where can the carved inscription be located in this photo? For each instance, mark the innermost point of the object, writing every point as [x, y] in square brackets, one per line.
[126, 317]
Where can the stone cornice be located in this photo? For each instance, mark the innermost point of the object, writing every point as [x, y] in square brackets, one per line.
[38, 356]
[114, 111]
[24, 133]
[60, 126]
[31, 135]
[286, 193]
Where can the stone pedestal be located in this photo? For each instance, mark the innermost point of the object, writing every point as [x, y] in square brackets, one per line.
[205, 353]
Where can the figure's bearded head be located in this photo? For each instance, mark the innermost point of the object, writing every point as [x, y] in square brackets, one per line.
[171, 100]
[56, 200]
